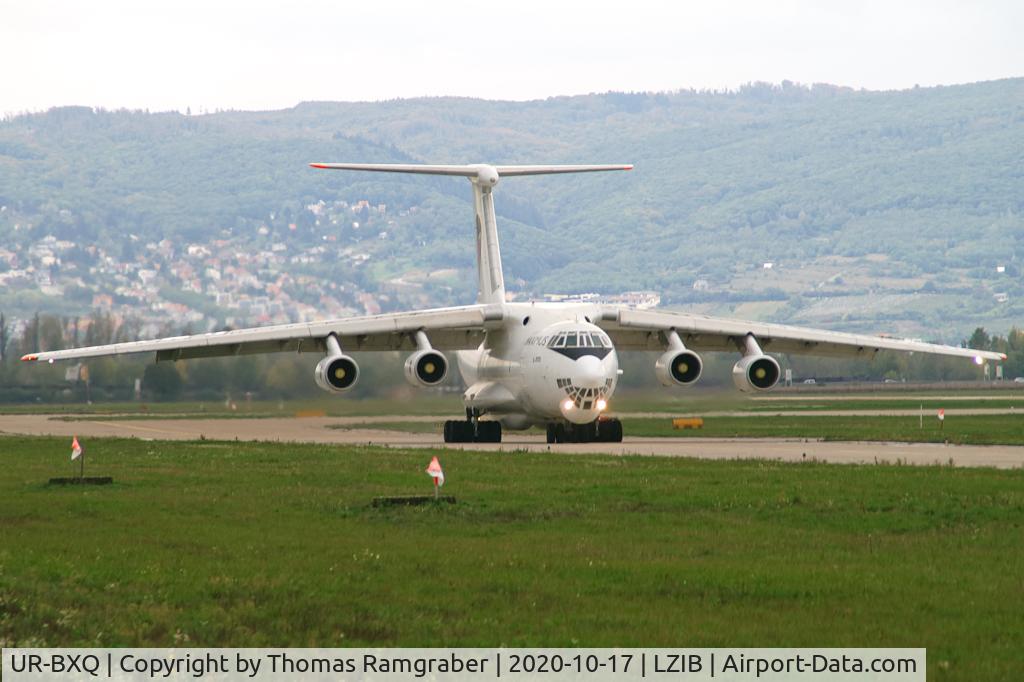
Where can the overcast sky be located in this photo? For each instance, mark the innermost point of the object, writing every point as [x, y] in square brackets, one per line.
[253, 54]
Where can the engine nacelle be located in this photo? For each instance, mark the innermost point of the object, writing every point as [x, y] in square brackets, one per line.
[678, 368]
[426, 367]
[756, 373]
[336, 373]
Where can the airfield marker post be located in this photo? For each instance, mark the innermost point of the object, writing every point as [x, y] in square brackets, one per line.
[922, 415]
[436, 473]
[78, 452]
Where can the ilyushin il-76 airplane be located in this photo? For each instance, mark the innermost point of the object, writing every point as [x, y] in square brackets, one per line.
[525, 364]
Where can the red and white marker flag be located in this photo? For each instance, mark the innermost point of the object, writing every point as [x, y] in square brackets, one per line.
[435, 472]
[76, 449]
[942, 415]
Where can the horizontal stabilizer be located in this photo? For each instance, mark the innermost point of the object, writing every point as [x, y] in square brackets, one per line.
[468, 170]
[549, 170]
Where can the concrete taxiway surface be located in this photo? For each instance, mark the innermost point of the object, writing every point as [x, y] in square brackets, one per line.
[358, 431]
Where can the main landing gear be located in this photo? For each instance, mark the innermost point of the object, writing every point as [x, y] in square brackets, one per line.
[473, 430]
[600, 431]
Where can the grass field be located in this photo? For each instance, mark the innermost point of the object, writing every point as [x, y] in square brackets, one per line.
[249, 544]
[999, 429]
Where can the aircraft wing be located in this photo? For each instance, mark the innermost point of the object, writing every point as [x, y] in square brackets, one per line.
[632, 329]
[447, 328]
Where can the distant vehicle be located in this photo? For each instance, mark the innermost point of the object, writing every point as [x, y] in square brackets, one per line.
[1019, 380]
[890, 381]
[553, 365]
[810, 381]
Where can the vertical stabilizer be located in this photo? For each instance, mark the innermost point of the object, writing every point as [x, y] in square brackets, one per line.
[490, 280]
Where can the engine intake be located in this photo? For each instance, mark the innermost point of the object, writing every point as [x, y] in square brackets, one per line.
[426, 368]
[678, 368]
[336, 373]
[756, 373]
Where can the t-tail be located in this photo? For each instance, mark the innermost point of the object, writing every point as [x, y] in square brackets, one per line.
[490, 280]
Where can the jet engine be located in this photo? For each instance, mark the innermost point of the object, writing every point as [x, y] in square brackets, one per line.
[336, 373]
[756, 373]
[426, 367]
[678, 368]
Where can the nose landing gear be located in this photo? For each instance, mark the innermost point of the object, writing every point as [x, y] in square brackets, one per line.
[599, 431]
[473, 430]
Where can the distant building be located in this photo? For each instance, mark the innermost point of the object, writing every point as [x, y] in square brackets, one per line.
[634, 299]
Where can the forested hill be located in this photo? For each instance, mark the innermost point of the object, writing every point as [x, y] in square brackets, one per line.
[852, 195]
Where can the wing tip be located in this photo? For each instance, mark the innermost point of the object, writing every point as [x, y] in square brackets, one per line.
[318, 165]
[31, 357]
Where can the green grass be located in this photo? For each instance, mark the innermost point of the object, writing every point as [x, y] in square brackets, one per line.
[258, 544]
[930, 405]
[698, 403]
[1000, 429]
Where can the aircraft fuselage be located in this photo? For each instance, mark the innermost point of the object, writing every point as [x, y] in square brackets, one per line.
[547, 363]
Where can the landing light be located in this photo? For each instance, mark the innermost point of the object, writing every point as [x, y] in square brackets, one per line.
[567, 405]
[978, 360]
[601, 404]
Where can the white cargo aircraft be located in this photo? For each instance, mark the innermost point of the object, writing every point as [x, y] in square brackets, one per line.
[526, 364]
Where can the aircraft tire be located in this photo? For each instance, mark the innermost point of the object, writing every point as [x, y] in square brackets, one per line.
[457, 432]
[562, 435]
[488, 432]
[611, 431]
[588, 433]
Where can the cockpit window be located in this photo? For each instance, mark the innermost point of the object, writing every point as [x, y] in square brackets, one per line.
[579, 340]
